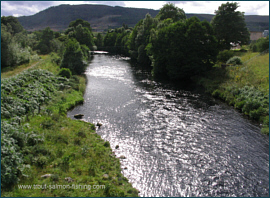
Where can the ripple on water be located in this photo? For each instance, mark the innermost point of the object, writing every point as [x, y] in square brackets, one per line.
[176, 142]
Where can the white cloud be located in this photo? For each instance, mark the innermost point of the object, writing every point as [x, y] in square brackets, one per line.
[156, 5]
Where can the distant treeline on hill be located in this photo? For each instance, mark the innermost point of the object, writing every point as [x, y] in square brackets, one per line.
[102, 17]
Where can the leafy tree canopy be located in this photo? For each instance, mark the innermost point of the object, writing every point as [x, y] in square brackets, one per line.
[73, 57]
[82, 32]
[80, 22]
[169, 10]
[229, 26]
[184, 49]
[12, 23]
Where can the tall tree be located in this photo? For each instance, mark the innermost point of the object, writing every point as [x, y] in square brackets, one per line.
[229, 26]
[82, 32]
[73, 57]
[169, 10]
[44, 45]
[12, 23]
[184, 49]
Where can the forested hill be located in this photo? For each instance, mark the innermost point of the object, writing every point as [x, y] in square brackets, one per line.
[102, 17]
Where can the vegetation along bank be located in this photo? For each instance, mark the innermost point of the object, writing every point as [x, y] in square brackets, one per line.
[185, 51]
[43, 151]
[41, 146]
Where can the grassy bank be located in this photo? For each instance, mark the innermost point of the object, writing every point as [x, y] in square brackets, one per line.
[42, 147]
[246, 86]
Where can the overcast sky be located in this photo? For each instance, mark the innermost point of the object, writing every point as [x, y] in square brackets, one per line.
[26, 8]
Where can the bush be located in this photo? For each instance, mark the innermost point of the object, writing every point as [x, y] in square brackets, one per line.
[217, 93]
[11, 161]
[240, 105]
[256, 114]
[224, 55]
[65, 72]
[107, 144]
[55, 58]
[41, 161]
[236, 60]
[250, 106]
[262, 44]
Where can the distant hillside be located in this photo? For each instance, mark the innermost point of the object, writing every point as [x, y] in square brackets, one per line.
[102, 17]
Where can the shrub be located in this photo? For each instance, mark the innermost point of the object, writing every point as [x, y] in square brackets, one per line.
[236, 60]
[65, 72]
[216, 93]
[240, 105]
[11, 161]
[262, 44]
[250, 106]
[224, 55]
[55, 58]
[107, 144]
[41, 161]
[256, 114]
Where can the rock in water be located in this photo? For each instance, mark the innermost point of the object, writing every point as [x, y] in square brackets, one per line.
[99, 125]
[78, 116]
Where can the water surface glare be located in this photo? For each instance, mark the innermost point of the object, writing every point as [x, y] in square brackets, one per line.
[176, 142]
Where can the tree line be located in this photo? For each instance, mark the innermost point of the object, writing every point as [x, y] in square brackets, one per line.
[175, 47]
[72, 47]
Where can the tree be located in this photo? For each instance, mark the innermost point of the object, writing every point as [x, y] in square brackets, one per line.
[80, 22]
[99, 40]
[184, 49]
[12, 23]
[73, 57]
[169, 10]
[82, 32]
[229, 26]
[44, 45]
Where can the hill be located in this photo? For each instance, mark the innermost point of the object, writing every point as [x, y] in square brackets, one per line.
[102, 17]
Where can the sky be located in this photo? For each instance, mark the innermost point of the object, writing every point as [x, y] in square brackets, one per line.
[26, 8]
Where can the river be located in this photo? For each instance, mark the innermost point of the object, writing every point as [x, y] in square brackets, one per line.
[176, 142]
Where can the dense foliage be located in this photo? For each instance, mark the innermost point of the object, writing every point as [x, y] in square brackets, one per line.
[230, 26]
[82, 32]
[22, 96]
[73, 58]
[184, 49]
[172, 12]
[14, 48]
[260, 45]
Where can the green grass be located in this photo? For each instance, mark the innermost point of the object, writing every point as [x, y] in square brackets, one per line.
[71, 149]
[68, 148]
[243, 86]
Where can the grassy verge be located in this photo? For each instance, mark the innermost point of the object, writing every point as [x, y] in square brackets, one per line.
[12, 71]
[44, 150]
[246, 87]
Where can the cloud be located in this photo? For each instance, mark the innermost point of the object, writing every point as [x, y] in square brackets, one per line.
[20, 8]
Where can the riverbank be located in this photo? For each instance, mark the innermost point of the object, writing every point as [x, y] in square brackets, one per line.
[50, 154]
[246, 87]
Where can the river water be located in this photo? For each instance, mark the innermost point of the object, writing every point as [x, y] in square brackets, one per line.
[176, 142]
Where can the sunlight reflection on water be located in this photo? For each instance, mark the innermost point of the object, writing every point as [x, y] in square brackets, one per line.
[176, 142]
